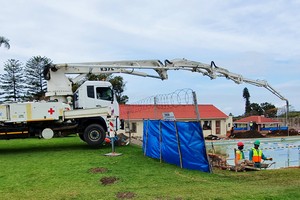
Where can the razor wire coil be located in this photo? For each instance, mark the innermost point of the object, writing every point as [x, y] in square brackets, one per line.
[178, 97]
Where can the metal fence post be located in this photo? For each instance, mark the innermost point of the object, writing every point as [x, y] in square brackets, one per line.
[178, 145]
[198, 119]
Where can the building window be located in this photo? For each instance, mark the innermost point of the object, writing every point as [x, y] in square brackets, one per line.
[207, 125]
[133, 127]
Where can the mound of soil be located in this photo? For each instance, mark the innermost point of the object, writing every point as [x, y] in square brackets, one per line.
[108, 180]
[256, 134]
[247, 134]
[125, 195]
[292, 132]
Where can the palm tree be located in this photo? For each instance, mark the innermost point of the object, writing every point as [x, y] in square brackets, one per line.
[4, 41]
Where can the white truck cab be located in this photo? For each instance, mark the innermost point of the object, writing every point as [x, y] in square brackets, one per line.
[92, 94]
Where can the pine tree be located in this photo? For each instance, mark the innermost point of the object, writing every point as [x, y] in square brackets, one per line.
[36, 84]
[12, 81]
[5, 42]
[246, 96]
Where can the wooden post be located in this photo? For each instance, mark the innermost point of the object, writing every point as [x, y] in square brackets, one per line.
[235, 160]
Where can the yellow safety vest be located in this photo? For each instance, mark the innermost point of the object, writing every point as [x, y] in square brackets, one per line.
[239, 155]
[257, 154]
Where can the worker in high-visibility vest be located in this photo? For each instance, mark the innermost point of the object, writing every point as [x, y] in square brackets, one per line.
[240, 161]
[239, 153]
[256, 155]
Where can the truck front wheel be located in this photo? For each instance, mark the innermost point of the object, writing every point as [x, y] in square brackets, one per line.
[94, 135]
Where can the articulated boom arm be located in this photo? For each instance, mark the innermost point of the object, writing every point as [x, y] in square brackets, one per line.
[213, 71]
[58, 71]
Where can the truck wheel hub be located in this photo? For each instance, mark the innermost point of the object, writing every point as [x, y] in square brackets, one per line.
[94, 135]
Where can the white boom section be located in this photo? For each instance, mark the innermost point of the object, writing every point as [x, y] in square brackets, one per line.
[130, 67]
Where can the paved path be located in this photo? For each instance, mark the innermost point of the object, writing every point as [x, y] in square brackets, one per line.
[136, 141]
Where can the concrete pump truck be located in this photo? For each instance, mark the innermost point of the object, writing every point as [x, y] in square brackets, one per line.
[92, 111]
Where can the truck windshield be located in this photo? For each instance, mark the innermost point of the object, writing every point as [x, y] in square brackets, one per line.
[104, 93]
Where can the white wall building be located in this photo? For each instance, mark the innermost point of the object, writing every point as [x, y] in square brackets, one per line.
[213, 120]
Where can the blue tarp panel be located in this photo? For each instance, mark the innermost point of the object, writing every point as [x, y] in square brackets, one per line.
[240, 129]
[181, 143]
[151, 144]
[169, 146]
[283, 128]
[192, 145]
[264, 129]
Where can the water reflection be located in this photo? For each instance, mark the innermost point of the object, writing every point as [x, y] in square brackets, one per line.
[284, 151]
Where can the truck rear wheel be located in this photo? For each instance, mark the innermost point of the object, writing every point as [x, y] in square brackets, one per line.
[94, 135]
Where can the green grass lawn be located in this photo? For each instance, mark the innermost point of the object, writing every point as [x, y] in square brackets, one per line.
[60, 169]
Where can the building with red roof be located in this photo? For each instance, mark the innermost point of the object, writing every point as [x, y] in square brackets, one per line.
[257, 123]
[213, 120]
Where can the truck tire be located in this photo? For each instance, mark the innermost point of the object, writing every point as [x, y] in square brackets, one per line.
[94, 135]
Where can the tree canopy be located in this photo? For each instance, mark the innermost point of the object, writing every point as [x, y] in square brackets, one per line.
[27, 82]
[12, 81]
[269, 109]
[5, 42]
[266, 109]
[36, 84]
[117, 83]
[246, 96]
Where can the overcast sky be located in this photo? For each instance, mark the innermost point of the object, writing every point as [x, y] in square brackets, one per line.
[257, 39]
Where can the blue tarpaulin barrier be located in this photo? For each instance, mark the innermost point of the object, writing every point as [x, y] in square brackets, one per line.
[282, 128]
[178, 143]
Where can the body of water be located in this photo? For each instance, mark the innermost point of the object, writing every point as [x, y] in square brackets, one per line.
[284, 151]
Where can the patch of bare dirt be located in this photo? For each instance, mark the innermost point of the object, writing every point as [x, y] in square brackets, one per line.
[137, 141]
[247, 134]
[292, 132]
[164, 198]
[125, 195]
[256, 134]
[98, 170]
[108, 180]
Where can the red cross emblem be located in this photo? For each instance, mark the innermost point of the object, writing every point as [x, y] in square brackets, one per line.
[51, 111]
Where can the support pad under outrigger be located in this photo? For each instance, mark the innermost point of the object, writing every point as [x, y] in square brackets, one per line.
[113, 153]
